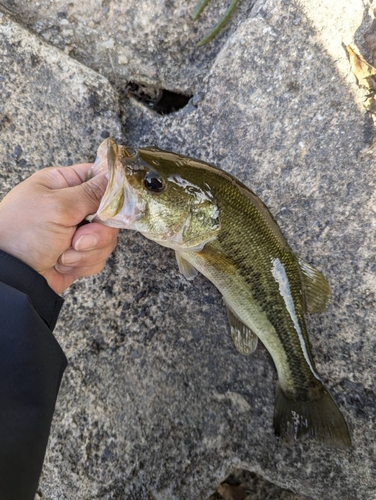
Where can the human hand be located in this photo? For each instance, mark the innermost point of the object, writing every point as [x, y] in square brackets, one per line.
[38, 224]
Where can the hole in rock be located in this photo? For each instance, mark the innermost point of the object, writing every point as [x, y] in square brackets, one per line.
[243, 485]
[161, 101]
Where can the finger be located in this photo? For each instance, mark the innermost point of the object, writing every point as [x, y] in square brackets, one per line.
[63, 177]
[92, 270]
[80, 272]
[94, 236]
[57, 281]
[74, 259]
[81, 170]
[84, 199]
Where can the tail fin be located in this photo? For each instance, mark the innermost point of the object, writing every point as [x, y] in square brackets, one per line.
[319, 419]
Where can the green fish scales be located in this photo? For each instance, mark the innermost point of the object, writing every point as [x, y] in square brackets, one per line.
[257, 263]
[218, 227]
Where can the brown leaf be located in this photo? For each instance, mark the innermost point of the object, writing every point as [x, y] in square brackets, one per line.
[232, 492]
[364, 72]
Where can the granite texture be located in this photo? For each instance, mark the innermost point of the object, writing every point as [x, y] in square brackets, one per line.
[149, 42]
[53, 111]
[156, 404]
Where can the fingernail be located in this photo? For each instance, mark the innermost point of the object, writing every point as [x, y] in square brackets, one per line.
[70, 257]
[86, 242]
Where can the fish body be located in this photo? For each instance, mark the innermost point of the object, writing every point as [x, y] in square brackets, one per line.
[220, 228]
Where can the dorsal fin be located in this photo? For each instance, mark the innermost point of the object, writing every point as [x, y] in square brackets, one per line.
[244, 339]
[186, 269]
[316, 288]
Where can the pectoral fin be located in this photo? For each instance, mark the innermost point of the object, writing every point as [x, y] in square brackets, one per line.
[315, 288]
[186, 268]
[244, 339]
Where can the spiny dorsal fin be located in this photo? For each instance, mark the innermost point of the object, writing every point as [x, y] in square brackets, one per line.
[316, 289]
[244, 339]
[186, 268]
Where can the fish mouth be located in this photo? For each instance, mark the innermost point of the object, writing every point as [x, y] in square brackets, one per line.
[121, 206]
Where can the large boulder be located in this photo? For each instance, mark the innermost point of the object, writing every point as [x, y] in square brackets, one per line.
[156, 402]
[148, 42]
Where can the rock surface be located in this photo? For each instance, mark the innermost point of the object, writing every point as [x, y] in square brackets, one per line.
[150, 42]
[156, 403]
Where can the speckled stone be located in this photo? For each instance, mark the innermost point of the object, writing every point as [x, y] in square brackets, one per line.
[148, 42]
[53, 110]
[156, 403]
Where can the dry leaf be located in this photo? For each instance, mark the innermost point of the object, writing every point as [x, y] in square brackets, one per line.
[232, 491]
[366, 76]
[364, 72]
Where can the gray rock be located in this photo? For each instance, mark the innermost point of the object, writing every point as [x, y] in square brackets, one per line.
[156, 403]
[147, 42]
[53, 111]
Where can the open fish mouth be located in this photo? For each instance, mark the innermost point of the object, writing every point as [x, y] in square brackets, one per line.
[121, 205]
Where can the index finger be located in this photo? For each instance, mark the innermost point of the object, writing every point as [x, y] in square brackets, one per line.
[75, 174]
[63, 177]
[104, 235]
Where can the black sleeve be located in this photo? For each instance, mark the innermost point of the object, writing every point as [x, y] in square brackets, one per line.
[31, 366]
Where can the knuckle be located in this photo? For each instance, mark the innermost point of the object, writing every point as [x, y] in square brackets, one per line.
[93, 190]
[106, 237]
[53, 205]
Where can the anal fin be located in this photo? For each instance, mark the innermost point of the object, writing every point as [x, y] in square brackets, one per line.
[186, 269]
[316, 288]
[244, 339]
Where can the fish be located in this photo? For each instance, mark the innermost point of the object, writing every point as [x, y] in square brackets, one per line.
[217, 226]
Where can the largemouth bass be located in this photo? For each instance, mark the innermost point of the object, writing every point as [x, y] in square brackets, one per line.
[220, 228]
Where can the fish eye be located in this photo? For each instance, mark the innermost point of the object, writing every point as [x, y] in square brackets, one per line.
[153, 182]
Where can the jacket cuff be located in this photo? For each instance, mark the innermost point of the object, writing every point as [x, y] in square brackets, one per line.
[19, 275]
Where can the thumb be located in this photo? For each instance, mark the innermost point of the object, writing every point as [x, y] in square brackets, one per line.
[84, 199]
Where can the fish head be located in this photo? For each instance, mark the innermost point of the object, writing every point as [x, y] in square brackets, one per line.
[158, 194]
